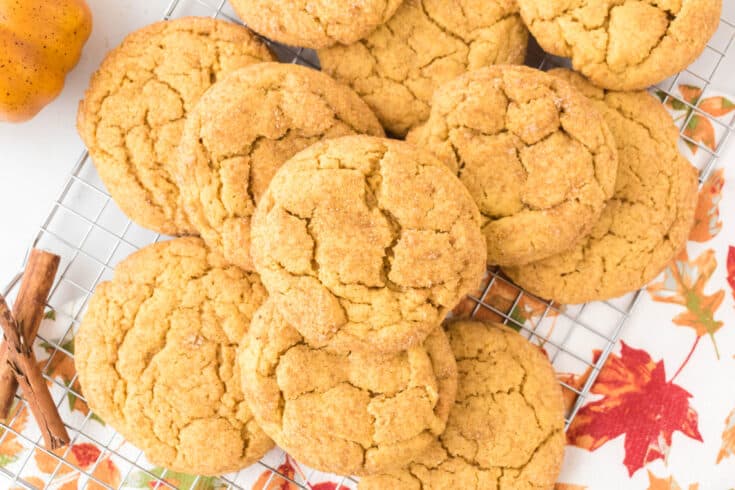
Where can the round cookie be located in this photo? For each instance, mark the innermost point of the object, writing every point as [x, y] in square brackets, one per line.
[426, 43]
[242, 130]
[644, 225]
[366, 243]
[133, 112]
[624, 44]
[535, 154]
[315, 23]
[506, 429]
[156, 357]
[349, 412]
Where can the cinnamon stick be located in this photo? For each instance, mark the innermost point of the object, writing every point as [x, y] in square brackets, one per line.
[28, 311]
[25, 368]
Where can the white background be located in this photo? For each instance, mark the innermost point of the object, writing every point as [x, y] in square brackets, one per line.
[36, 156]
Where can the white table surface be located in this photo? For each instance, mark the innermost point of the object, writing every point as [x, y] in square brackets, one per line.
[36, 156]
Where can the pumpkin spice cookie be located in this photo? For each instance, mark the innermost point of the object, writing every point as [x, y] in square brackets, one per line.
[133, 112]
[644, 225]
[314, 23]
[156, 357]
[240, 133]
[624, 44]
[536, 156]
[506, 429]
[426, 43]
[366, 243]
[349, 412]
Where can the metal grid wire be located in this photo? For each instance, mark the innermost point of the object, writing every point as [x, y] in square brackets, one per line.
[92, 236]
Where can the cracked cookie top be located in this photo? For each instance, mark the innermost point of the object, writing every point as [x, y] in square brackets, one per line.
[506, 428]
[315, 23]
[242, 130]
[647, 221]
[156, 357]
[426, 43]
[366, 243]
[349, 412]
[624, 44]
[133, 112]
[534, 153]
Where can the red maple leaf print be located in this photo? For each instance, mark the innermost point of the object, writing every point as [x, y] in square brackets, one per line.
[269, 480]
[637, 403]
[86, 454]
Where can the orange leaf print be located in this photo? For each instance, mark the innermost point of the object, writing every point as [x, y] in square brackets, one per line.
[65, 477]
[10, 447]
[467, 305]
[36, 482]
[70, 482]
[731, 269]
[699, 129]
[107, 472]
[576, 381]
[683, 284]
[690, 93]
[669, 483]
[728, 438]
[83, 455]
[47, 463]
[707, 222]
[717, 106]
[503, 299]
[61, 367]
[637, 403]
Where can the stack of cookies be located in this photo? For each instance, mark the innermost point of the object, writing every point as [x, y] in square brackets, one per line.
[306, 300]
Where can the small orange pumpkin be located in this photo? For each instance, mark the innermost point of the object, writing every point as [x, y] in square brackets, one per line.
[40, 42]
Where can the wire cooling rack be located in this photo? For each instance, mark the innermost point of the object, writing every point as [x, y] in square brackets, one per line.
[92, 235]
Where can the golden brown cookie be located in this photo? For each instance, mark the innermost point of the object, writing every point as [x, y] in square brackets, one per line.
[242, 130]
[534, 153]
[645, 224]
[367, 243]
[426, 43]
[156, 357]
[506, 429]
[624, 44]
[346, 412]
[133, 112]
[315, 23]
